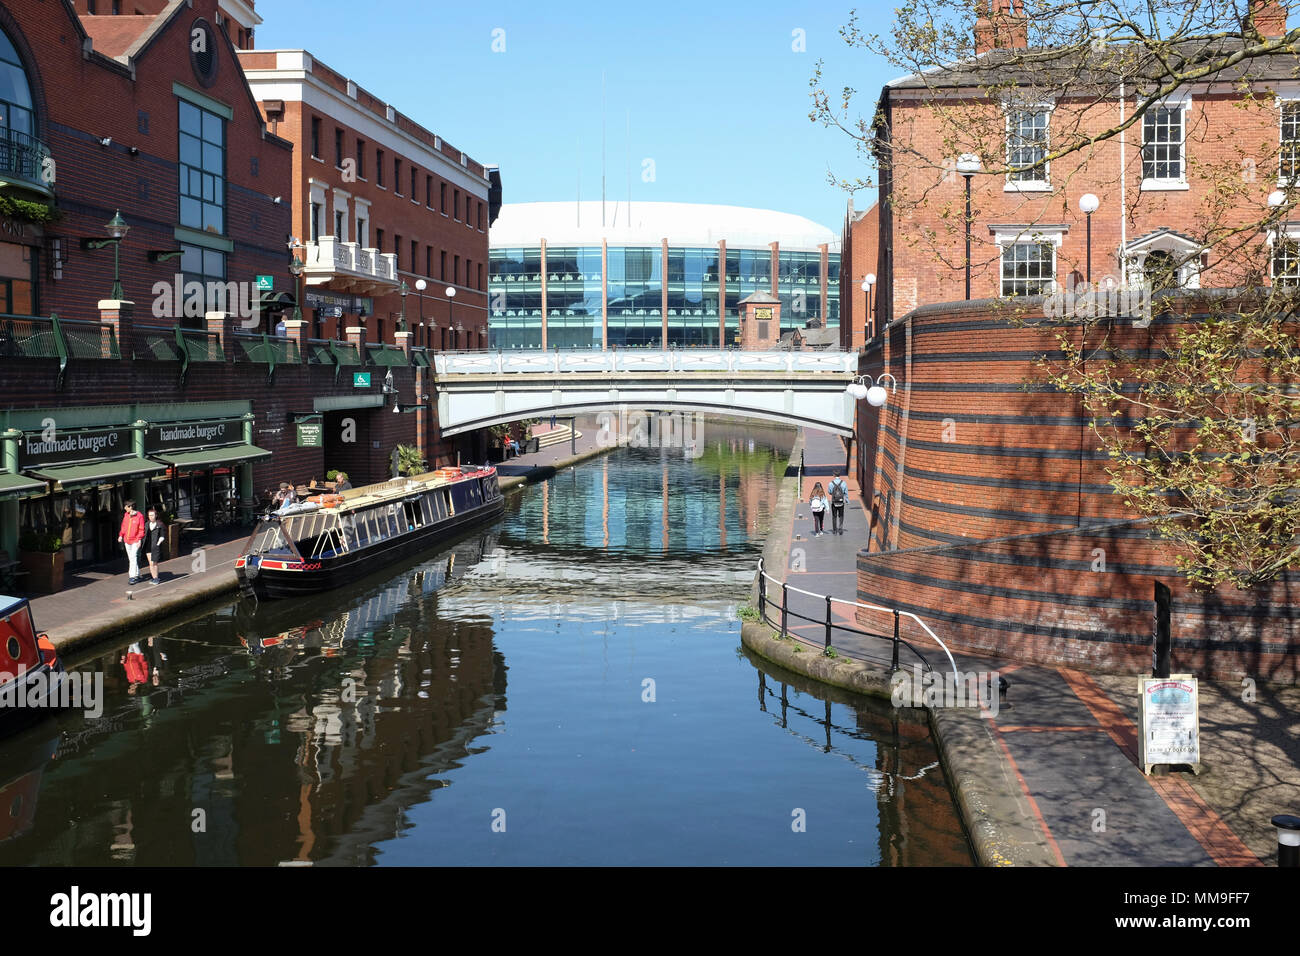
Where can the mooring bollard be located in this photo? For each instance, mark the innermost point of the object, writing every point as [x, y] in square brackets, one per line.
[1288, 839]
[762, 592]
[894, 664]
[828, 620]
[785, 603]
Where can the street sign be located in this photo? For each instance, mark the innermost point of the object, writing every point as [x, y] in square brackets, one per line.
[1170, 724]
[266, 283]
[360, 379]
[310, 435]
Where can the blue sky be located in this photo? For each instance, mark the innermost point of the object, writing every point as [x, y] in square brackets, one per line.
[717, 97]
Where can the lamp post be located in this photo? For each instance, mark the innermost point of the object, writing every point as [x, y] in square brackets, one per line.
[875, 394]
[968, 164]
[403, 289]
[868, 322]
[420, 286]
[296, 266]
[1088, 204]
[451, 300]
[117, 230]
[1276, 200]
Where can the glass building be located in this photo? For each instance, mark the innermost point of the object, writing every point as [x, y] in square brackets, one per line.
[662, 273]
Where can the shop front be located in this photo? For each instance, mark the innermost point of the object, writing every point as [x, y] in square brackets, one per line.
[204, 461]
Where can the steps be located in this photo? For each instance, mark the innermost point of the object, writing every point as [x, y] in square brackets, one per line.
[556, 436]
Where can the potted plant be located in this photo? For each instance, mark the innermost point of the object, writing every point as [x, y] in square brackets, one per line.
[41, 553]
[410, 461]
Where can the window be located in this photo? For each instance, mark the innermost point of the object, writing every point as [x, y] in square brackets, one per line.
[1286, 262]
[1162, 145]
[414, 172]
[315, 137]
[379, 240]
[338, 225]
[481, 211]
[202, 169]
[397, 176]
[442, 265]
[428, 191]
[361, 159]
[1289, 159]
[442, 198]
[338, 147]
[455, 270]
[1028, 268]
[397, 250]
[203, 266]
[479, 286]
[455, 204]
[428, 261]
[363, 237]
[379, 167]
[415, 251]
[316, 210]
[1027, 138]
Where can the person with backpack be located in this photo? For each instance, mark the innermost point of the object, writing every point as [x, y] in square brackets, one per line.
[839, 491]
[817, 501]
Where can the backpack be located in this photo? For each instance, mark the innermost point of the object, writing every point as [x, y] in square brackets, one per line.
[839, 493]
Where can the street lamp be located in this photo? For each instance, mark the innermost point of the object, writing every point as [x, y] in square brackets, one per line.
[117, 230]
[968, 164]
[875, 394]
[296, 267]
[869, 322]
[401, 319]
[1088, 204]
[451, 299]
[420, 286]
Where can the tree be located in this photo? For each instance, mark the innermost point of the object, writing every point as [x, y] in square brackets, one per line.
[1198, 411]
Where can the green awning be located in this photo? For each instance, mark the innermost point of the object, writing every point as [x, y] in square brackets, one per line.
[98, 472]
[203, 457]
[20, 486]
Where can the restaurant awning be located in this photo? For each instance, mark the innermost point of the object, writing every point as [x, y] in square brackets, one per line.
[97, 472]
[20, 486]
[203, 457]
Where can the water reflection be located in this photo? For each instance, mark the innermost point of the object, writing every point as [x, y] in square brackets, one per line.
[370, 725]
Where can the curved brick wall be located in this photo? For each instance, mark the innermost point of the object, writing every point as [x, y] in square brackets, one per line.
[990, 499]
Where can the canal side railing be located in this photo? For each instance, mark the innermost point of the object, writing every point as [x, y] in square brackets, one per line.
[781, 609]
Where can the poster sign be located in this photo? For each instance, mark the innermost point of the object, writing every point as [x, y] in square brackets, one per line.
[360, 379]
[1171, 727]
[764, 312]
[310, 435]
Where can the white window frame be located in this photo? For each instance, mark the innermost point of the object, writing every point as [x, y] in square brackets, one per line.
[362, 215]
[1290, 232]
[1292, 100]
[1045, 235]
[341, 206]
[1010, 108]
[1182, 104]
[1189, 273]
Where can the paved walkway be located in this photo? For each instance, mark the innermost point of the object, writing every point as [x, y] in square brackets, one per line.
[1061, 739]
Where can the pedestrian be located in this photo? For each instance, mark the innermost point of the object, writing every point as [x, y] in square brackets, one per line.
[155, 533]
[341, 482]
[839, 491]
[818, 502]
[131, 534]
[280, 328]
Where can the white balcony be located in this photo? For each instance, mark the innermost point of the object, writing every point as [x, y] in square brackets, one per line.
[346, 267]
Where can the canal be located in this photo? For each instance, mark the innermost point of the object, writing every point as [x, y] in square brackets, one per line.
[566, 686]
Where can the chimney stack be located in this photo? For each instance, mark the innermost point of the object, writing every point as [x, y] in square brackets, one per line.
[999, 26]
[1269, 17]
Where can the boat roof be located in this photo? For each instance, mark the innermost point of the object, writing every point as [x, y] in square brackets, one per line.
[395, 488]
[10, 604]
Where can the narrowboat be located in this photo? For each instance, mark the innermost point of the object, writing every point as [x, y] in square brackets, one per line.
[332, 540]
[31, 674]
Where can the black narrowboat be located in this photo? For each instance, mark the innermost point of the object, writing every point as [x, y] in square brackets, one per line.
[324, 543]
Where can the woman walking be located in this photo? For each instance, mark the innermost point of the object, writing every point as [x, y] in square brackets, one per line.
[818, 502]
[155, 533]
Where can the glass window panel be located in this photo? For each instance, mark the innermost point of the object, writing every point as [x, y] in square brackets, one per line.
[213, 158]
[191, 150]
[214, 263]
[191, 213]
[191, 119]
[213, 128]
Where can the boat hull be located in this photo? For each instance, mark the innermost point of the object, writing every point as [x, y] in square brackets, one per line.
[328, 573]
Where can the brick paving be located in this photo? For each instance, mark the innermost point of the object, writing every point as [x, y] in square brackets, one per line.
[1065, 741]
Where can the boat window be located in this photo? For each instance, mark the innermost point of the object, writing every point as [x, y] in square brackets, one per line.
[414, 516]
[395, 524]
[349, 532]
[363, 530]
[466, 495]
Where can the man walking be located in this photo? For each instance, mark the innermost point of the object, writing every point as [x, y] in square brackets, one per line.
[839, 492]
[131, 534]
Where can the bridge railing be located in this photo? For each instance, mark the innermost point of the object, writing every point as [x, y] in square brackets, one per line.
[642, 360]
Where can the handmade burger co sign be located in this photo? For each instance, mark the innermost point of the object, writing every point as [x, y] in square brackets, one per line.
[176, 435]
[52, 447]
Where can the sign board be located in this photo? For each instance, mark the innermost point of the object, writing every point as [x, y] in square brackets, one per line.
[171, 436]
[337, 303]
[763, 312]
[310, 435]
[266, 283]
[360, 379]
[1171, 726]
[64, 447]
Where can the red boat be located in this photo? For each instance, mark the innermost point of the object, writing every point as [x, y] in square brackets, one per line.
[31, 674]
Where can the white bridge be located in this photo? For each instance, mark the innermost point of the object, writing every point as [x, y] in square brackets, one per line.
[477, 389]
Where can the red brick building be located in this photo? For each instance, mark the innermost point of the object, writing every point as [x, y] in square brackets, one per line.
[378, 201]
[992, 513]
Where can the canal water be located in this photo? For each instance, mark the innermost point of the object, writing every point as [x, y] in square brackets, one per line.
[566, 686]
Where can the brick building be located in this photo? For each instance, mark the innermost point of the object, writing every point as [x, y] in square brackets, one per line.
[1197, 166]
[379, 201]
[992, 512]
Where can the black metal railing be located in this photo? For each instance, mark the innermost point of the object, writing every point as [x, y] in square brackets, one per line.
[23, 156]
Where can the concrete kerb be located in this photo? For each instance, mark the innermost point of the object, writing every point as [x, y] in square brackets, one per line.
[1000, 825]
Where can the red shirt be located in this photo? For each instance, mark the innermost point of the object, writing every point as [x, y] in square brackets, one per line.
[132, 528]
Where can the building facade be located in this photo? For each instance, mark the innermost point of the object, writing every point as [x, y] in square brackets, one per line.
[379, 203]
[657, 275]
